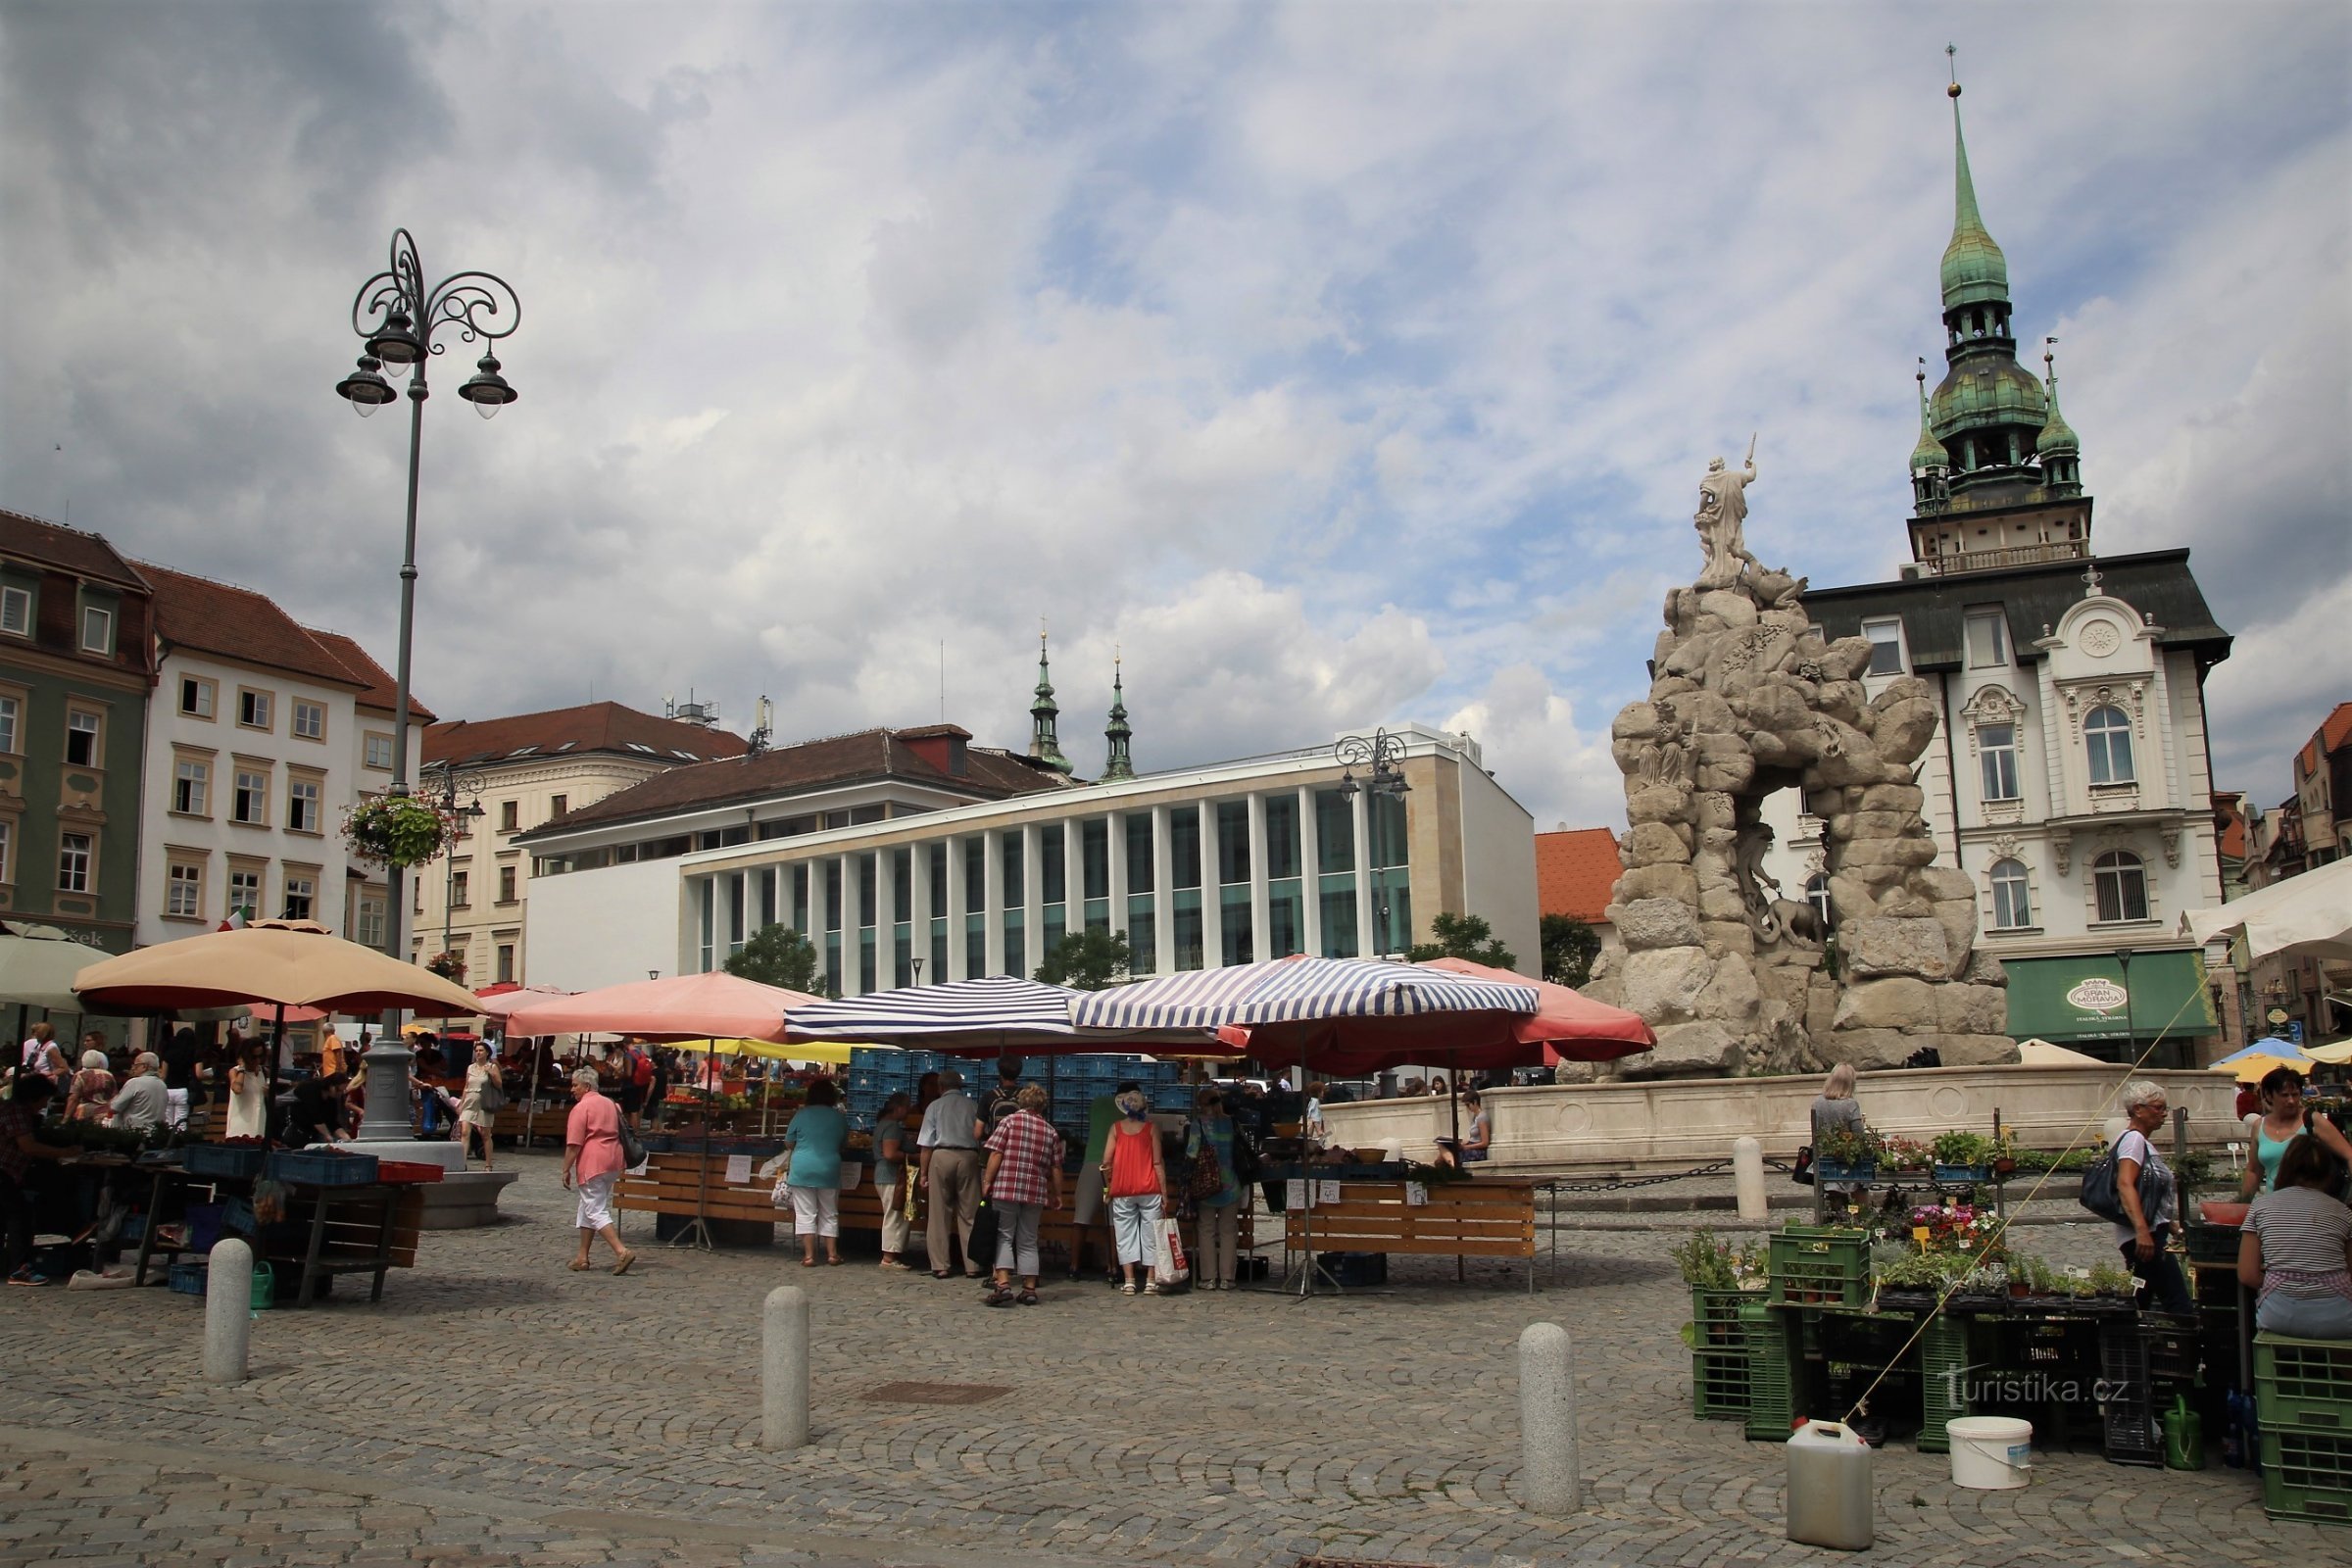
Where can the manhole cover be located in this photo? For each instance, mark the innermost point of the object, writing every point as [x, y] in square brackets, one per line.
[938, 1394]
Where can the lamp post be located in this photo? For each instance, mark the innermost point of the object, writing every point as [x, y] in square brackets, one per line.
[399, 319]
[449, 786]
[1383, 756]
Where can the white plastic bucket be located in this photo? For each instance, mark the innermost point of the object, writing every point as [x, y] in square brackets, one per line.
[1990, 1452]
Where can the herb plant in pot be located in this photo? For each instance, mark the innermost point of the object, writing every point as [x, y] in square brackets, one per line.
[1962, 1157]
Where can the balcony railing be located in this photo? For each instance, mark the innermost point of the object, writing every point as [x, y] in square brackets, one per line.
[2008, 555]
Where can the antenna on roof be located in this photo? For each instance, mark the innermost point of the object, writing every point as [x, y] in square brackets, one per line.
[763, 713]
[942, 680]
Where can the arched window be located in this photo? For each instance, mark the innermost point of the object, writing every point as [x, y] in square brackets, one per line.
[1817, 894]
[2012, 901]
[2107, 734]
[2120, 882]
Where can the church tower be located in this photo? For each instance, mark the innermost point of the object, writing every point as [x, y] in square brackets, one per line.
[1043, 747]
[1996, 478]
[1118, 765]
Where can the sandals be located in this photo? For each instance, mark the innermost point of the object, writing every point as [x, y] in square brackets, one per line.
[627, 1262]
[998, 1298]
[1027, 1297]
[577, 1265]
[1128, 1288]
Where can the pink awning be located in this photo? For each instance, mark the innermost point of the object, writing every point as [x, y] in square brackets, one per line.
[686, 1006]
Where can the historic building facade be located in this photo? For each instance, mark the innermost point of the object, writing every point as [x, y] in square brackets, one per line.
[76, 665]
[2069, 776]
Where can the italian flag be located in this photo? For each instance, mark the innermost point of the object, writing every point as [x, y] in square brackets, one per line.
[235, 920]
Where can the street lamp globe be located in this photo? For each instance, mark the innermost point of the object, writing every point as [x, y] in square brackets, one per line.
[394, 342]
[367, 390]
[488, 391]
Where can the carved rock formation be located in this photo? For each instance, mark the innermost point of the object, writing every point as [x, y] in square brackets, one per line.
[1747, 698]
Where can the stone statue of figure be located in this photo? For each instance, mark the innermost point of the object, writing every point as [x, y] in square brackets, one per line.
[1720, 519]
[1753, 844]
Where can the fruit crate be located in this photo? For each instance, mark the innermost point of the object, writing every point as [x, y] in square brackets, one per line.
[1719, 1385]
[1819, 1266]
[1715, 1320]
[224, 1161]
[2303, 1385]
[2307, 1476]
[323, 1171]
[1774, 1367]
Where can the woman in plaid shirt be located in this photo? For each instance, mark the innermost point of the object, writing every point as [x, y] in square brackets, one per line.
[1023, 1177]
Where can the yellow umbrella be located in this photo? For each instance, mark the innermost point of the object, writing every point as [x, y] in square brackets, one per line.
[2338, 1055]
[835, 1053]
[2253, 1070]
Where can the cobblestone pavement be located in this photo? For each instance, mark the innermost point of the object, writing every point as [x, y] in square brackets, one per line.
[496, 1408]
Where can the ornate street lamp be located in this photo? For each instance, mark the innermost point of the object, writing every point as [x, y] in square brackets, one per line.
[459, 793]
[1383, 755]
[399, 319]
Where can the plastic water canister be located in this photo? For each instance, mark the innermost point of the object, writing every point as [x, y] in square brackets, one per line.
[1990, 1452]
[1830, 1496]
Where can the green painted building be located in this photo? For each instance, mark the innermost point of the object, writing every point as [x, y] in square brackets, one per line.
[76, 666]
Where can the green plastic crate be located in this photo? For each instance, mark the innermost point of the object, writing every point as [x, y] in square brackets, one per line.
[1948, 1348]
[2307, 1476]
[2212, 1245]
[1819, 1266]
[2303, 1385]
[1719, 1385]
[1715, 1315]
[1771, 1371]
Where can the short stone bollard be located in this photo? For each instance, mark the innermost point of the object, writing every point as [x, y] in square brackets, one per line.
[1548, 1478]
[1747, 1179]
[227, 1311]
[784, 1368]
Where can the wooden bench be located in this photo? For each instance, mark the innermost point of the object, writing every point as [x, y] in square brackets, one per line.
[1477, 1218]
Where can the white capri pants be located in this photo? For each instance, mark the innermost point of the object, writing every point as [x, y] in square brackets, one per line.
[895, 1226]
[1134, 1224]
[596, 1202]
[816, 1210]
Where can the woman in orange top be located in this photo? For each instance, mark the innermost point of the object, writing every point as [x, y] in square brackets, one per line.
[593, 1160]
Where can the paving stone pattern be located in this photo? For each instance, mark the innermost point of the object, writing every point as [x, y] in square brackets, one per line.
[496, 1408]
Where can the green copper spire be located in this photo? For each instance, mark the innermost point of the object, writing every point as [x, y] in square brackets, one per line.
[1119, 763]
[2057, 436]
[1043, 747]
[1930, 452]
[1974, 272]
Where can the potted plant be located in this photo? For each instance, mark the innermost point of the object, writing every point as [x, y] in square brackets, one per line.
[1842, 1155]
[396, 830]
[1963, 1156]
[1904, 1153]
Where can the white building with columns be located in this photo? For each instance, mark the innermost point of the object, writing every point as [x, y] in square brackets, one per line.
[910, 856]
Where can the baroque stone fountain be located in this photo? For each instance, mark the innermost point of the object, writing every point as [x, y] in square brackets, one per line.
[1747, 698]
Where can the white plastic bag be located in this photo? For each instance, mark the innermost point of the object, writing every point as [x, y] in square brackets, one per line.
[1170, 1270]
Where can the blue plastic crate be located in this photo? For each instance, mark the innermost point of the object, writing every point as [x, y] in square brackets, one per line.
[324, 1170]
[222, 1162]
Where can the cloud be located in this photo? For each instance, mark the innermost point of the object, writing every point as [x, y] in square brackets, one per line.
[1340, 365]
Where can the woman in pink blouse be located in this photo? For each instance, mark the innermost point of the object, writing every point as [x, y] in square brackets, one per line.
[591, 1159]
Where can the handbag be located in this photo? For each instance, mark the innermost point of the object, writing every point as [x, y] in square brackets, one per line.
[2100, 1180]
[492, 1099]
[1208, 1177]
[633, 1152]
[983, 1244]
[1803, 1173]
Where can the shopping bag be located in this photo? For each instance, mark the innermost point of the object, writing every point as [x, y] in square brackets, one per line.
[1170, 1270]
[982, 1252]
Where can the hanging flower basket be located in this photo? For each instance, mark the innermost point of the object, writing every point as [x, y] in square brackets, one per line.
[450, 967]
[396, 830]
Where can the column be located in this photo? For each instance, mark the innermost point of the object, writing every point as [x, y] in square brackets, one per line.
[817, 913]
[1364, 923]
[1212, 923]
[1033, 896]
[1259, 913]
[1116, 835]
[919, 911]
[1164, 897]
[1310, 873]
[955, 913]
[886, 918]
[849, 982]
[1073, 872]
[992, 895]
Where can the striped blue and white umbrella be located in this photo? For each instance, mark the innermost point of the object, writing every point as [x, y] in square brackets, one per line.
[1298, 991]
[1001, 1013]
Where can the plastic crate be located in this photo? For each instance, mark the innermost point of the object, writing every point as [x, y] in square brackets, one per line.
[225, 1162]
[1948, 1352]
[2176, 1350]
[204, 1222]
[1771, 1372]
[323, 1171]
[407, 1172]
[1819, 1266]
[187, 1279]
[1716, 1314]
[2307, 1476]
[1719, 1385]
[2129, 1432]
[2213, 1244]
[2303, 1385]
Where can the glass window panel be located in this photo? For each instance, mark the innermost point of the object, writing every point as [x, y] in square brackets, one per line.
[1996, 745]
[2122, 884]
[2107, 734]
[1097, 914]
[1233, 840]
[1184, 847]
[1988, 639]
[1885, 646]
[936, 857]
[2012, 904]
[1016, 962]
[1233, 925]
[1142, 935]
[833, 902]
[1338, 892]
[869, 874]
[1335, 831]
[1186, 929]
[1011, 858]
[1139, 852]
[1286, 932]
[1051, 863]
[866, 959]
[1094, 848]
[902, 884]
[1385, 821]
[1281, 835]
[975, 946]
[938, 970]
[902, 959]
[975, 878]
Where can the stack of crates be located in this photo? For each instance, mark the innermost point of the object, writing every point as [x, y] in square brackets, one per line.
[2303, 1402]
[1774, 1366]
[1819, 1265]
[876, 1073]
[1948, 1349]
[1718, 1355]
[2130, 1434]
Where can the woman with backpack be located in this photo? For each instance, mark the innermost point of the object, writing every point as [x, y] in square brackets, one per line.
[2284, 1118]
[2149, 1212]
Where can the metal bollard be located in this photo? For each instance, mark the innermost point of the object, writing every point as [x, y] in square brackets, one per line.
[1747, 1179]
[227, 1311]
[784, 1368]
[1549, 1479]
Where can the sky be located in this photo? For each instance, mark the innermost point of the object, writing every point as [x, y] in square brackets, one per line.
[1332, 365]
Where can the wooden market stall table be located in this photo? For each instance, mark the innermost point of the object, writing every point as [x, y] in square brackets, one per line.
[1483, 1216]
[369, 1228]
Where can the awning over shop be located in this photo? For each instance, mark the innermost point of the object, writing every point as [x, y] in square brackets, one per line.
[2086, 998]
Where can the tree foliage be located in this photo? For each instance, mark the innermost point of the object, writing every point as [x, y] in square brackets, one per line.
[1568, 948]
[1087, 960]
[1465, 936]
[778, 956]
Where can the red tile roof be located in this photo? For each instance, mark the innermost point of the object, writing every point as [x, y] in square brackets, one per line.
[65, 549]
[1575, 869]
[382, 688]
[237, 623]
[2325, 741]
[874, 754]
[589, 727]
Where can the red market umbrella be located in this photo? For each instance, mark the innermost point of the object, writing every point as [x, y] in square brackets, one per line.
[685, 1006]
[1571, 1027]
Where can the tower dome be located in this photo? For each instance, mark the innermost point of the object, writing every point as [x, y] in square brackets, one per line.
[1974, 272]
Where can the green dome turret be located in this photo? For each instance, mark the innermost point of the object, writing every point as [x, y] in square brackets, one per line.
[1930, 452]
[1974, 272]
[2057, 436]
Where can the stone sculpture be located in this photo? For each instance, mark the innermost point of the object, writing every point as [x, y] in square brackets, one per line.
[1747, 698]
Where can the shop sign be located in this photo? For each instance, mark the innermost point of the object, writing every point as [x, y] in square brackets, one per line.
[2098, 995]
